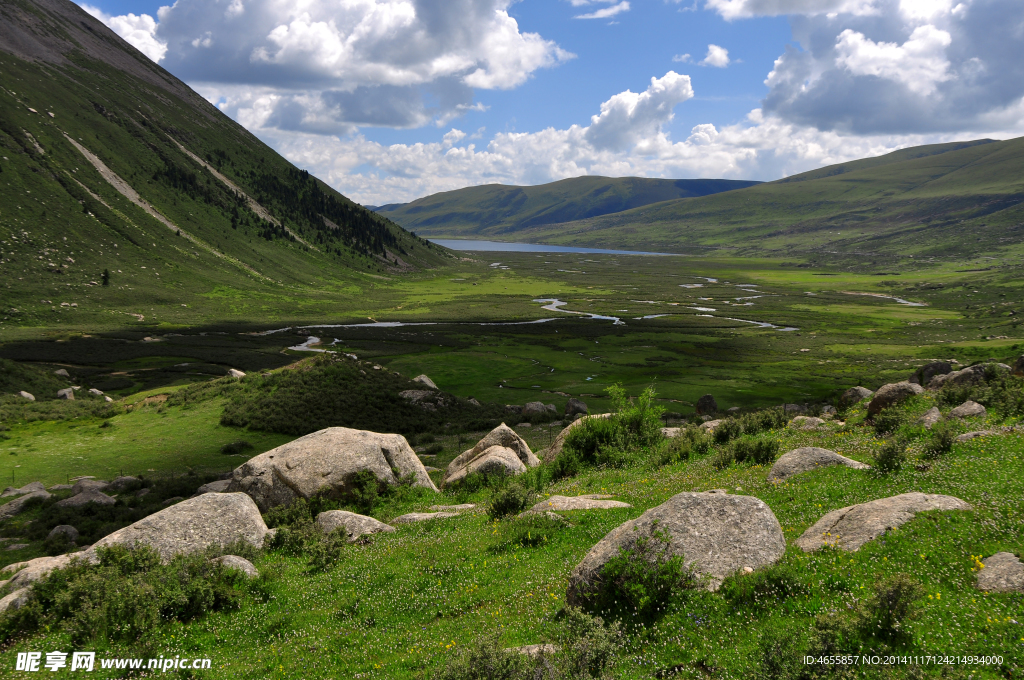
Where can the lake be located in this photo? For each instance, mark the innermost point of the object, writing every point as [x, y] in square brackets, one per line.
[467, 244]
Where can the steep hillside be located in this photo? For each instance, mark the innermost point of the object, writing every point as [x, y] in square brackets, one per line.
[500, 211]
[958, 199]
[110, 164]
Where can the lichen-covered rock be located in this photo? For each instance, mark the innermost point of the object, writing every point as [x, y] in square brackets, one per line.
[968, 409]
[809, 458]
[192, 525]
[1002, 573]
[853, 526]
[715, 533]
[326, 460]
[501, 437]
[854, 395]
[892, 394]
[355, 524]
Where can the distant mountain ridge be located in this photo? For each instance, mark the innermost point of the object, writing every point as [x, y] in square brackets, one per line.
[499, 210]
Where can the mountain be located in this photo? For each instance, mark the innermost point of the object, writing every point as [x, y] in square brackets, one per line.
[956, 199]
[497, 210]
[108, 163]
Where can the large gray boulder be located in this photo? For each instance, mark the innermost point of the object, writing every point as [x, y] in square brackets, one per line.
[892, 394]
[424, 380]
[28, 488]
[195, 524]
[87, 484]
[967, 376]
[12, 508]
[86, 497]
[326, 460]
[501, 447]
[574, 406]
[924, 375]
[930, 418]
[66, 530]
[1002, 573]
[854, 395]
[535, 409]
[707, 406]
[853, 526]
[809, 458]
[565, 503]
[715, 533]
[356, 525]
[968, 409]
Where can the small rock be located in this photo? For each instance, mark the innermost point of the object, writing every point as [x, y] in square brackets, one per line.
[424, 380]
[238, 563]
[473, 401]
[930, 418]
[422, 517]
[707, 405]
[86, 497]
[566, 503]
[809, 458]
[710, 425]
[453, 508]
[968, 409]
[854, 395]
[806, 423]
[141, 492]
[16, 600]
[235, 373]
[670, 432]
[174, 499]
[67, 394]
[828, 410]
[574, 406]
[892, 394]
[69, 532]
[1003, 573]
[124, 483]
[355, 524]
[96, 392]
[968, 436]
[62, 487]
[500, 450]
[431, 469]
[416, 396]
[16, 546]
[26, 395]
[62, 372]
[525, 425]
[535, 651]
[218, 486]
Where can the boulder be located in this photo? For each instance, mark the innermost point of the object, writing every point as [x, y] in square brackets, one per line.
[575, 406]
[710, 425]
[413, 517]
[326, 459]
[26, 573]
[794, 409]
[968, 436]
[237, 563]
[707, 406]
[415, 396]
[95, 392]
[967, 376]
[930, 418]
[123, 483]
[968, 409]
[172, 500]
[88, 483]
[424, 380]
[497, 445]
[12, 508]
[1018, 366]
[31, 487]
[671, 432]
[715, 533]
[1002, 573]
[356, 525]
[808, 458]
[853, 526]
[534, 409]
[461, 507]
[828, 410]
[141, 492]
[854, 395]
[62, 372]
[15, 600]
[806, 423]
[924, 375]
[213, 519]
[66, 530]
[67, 394]
[892, 394]
[219, 486]
[473, 401]
[27, 395]
[86, 497]
[566, 503]
[514, 408]
[235, 373]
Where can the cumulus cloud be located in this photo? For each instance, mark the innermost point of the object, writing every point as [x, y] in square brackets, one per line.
[920, 63]
[137, 31]
[604, 13]
[682, 58]
[743, 9]
[716, 56]
[628, 117]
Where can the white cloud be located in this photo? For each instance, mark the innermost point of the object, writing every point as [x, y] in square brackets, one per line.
[920, 63]
[682, 58]
[716, 56]
[743, 9]
[137, 31]
[606, 12]
[628, 117]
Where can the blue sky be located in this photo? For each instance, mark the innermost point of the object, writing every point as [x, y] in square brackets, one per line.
[389, 100]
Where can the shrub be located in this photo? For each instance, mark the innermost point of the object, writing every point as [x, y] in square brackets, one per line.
[727, 430]
[531, 531]
[587, 439]
[588, 646]
[487, 659]
[755, 451]
[362, 490]
[891, 456]
[723, 458]
[889, 420]
[239, 446]
[763, 588]
[567, 464]
[638, 583]
[941, 440]
[639, 420]
[885, 613]
[327, 552]
[689, 443]
[762, 421]
[780, 654]
[433, 449]
[511, 500]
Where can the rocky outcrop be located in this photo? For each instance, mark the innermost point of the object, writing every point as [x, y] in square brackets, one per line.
[501, 450]
[86, 497]
[851, 527]
[15, 600]
[968, 376]
[424, 380]
[566, 503]
[809, 458]
[854, 395]
[930, 418]
[356, 525]
[327, 459]
[237, 563]
[924, 375]
[715, 533]
[213, 519]
[1002, 573]
[892, 394]
[12, 508]
[968, 409]
[575, 407]
[26, 573]
[707, 406]
[89, 484]
[32, 487]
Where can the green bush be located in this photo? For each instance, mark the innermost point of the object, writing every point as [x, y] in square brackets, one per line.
[889, 420]
[940, 441]
[588, 646]
[589, 438]
[239, 446]
[531, 531]
[1002, 393]
[755, 451]
[327, 552]
[638, 583]
[511, 500]
[765, 588]
[885, 614]
[762, 421]
[362, 490]
[690, 442]
[487, 659]
[639, 419]
[727, 430]
[891, 456]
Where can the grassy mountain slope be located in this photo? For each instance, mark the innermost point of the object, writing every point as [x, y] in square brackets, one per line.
[499, 210]
[107, 162]
[960, 198]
